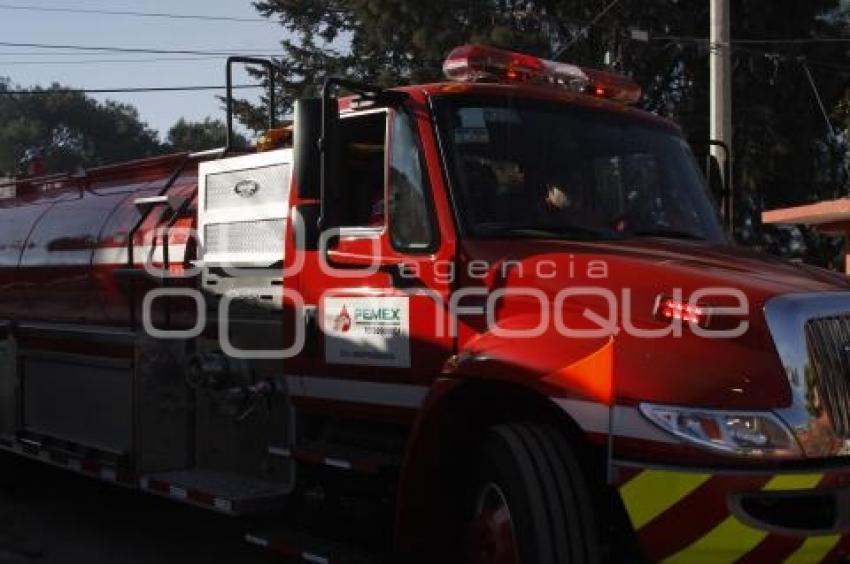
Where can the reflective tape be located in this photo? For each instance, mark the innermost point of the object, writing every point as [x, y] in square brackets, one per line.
[652, 492]
[184, 494]
[813, 549]
[785, 482]
[725, 543]
[714, 536]
[92, 468]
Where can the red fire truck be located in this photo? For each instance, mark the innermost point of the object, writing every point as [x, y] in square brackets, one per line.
[490, 320]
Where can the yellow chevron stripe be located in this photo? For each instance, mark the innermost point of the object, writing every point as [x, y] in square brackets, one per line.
[652, 492]
[732, 539]
[793, 482]
[727, 542]
[813, 550]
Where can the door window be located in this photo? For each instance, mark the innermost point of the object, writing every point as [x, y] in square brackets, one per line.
[411, 225]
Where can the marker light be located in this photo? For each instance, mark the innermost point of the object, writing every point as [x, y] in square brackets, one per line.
[474, 63]
[756, 434]
[670, 309]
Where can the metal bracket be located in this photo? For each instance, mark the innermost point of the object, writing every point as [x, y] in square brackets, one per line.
[169, 200]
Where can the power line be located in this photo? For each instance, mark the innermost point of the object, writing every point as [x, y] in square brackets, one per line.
[149, 51]
[786, 58]
[587, 24]
[828, 66]
[592, 23]
[818, 98]
[788, 41]
[740, 46]
[163, 15]
[121, 61]
[792, 41]
[60, 54]
[49, 91]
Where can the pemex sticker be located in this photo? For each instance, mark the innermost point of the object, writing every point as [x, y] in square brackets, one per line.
[372, 331]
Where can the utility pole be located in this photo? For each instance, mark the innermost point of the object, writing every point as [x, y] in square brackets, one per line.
[720, 58]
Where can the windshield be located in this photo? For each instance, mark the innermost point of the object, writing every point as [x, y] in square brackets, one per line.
[531, 169]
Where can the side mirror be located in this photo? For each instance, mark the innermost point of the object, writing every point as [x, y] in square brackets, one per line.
[719, 176]
[330, 142]
[307, 153]
[330, 147]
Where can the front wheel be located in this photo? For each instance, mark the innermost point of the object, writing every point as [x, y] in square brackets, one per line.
[530, 502]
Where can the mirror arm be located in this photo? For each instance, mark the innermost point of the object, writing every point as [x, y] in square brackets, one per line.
[727, 193]
[366, 90]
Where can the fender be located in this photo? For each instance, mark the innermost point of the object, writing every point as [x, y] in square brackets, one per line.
[579, 368]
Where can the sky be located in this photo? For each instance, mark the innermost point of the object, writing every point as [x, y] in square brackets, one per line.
[28, 66]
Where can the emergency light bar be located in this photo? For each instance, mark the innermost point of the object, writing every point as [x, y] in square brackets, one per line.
[475, 63]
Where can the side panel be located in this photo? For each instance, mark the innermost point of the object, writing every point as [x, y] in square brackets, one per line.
[84, 400]
[164, 409]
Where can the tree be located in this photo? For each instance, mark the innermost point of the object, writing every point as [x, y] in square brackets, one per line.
[200, 135]
[71, 129]
[779, 129]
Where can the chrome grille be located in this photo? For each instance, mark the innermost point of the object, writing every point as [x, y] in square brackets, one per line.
[828, 344]
[271, 187]
[249, 238]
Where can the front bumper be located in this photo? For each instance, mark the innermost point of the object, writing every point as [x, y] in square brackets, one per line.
[712, 516]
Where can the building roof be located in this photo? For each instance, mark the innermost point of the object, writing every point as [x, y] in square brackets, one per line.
[821, 213]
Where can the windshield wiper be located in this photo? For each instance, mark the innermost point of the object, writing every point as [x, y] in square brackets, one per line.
[545, 231]
[668, 233]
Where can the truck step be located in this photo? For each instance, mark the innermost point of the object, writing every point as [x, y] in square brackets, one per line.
[339, 456]
[79, 460]
[300, 547]
[227, 493]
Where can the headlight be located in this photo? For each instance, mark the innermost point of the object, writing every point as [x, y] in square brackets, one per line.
[757, 434]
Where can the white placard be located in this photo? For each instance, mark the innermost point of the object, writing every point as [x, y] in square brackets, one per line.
[367, 331]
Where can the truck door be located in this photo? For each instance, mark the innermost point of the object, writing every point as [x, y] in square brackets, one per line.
[382, 284]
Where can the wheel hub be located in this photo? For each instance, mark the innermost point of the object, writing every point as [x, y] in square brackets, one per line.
[490, 537]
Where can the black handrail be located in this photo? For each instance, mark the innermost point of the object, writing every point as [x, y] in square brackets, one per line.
[131, 260]
[270, 71]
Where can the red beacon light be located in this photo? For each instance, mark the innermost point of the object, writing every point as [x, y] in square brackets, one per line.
[475, 63]
[670, 309]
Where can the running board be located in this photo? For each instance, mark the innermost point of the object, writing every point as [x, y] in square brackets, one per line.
[311, 549]
[339, 456]
[227, 493]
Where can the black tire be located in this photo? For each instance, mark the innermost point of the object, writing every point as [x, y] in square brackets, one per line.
[546, 492]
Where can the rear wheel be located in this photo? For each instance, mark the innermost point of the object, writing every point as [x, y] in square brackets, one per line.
[530, 502]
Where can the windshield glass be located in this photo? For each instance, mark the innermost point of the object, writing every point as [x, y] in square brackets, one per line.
[531, 169]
